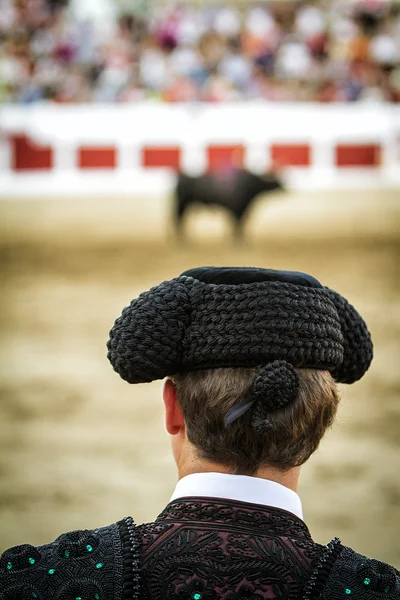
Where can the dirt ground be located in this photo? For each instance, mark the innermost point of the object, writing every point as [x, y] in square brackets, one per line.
[80, 448]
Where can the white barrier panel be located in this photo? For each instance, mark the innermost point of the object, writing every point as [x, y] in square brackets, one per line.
[59, 149]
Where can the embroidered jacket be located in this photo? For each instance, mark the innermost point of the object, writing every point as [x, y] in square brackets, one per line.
[197, 549]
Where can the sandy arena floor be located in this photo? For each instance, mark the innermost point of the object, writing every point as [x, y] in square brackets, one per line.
[80, 448]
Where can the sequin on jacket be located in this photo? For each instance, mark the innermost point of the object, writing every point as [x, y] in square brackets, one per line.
[197, 549]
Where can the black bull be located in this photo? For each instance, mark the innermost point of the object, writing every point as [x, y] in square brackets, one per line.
[235, 191]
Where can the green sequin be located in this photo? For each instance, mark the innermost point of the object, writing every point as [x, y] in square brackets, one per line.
[78, 598]
[34, 595]
[367, 581]
[386, 589]
[31, 561]
[89, 548]
[66, 553]
[196, 596]
[51, 571]
[97, 597]
[99, 565]
[9, 566]
[348, 591]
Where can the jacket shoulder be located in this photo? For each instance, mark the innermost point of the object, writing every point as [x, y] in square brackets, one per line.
[352, 575]
[79, 564]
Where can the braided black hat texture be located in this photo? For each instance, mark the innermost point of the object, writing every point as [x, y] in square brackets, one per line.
[212, 317]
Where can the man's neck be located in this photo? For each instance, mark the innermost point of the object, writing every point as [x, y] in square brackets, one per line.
[287, 478]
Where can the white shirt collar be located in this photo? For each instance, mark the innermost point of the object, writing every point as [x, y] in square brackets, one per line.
[239, 487]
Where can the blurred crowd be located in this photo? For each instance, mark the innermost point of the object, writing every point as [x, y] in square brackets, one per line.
[323, 51]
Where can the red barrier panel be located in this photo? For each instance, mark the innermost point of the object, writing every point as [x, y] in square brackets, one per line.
[357, 155]
[26, 155]
[161, 157]
[97, 157]
[224, 157]
[291, 155]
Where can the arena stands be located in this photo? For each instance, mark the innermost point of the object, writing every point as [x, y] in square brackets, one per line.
[332, 51]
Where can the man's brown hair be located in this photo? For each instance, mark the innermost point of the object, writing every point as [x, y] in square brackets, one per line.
[294, 431]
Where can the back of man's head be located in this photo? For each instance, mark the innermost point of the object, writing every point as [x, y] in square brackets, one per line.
[289, 436]
[257, 352]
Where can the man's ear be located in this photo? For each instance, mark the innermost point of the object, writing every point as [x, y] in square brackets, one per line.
[174, 421]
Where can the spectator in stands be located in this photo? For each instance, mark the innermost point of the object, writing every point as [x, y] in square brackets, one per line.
[300, 51]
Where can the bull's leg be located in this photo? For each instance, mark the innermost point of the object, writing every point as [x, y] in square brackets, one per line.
[238, 232]
[182, 203]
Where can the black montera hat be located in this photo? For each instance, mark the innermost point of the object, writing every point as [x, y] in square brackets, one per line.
[212, 317]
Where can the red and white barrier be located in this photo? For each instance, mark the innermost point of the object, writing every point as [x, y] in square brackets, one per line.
[47, 149]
